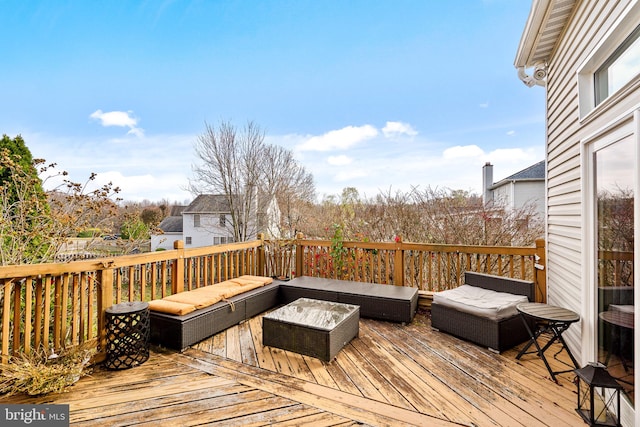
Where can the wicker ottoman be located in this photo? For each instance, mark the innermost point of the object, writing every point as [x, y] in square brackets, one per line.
[311, 327]
[381, 302]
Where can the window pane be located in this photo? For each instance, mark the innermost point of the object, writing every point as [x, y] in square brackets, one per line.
[615, 246]
[625, 67]
[620, 68]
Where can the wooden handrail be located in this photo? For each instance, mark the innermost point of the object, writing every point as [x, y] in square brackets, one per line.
[60, 305]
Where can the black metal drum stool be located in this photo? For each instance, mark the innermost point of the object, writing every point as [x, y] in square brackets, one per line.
[127, 335]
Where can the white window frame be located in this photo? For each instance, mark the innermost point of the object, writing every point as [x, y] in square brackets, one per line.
[196, 220]
[612, 40]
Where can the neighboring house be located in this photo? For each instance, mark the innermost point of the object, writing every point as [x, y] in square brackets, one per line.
[171, 227]
[521, 189]
[587, 55]
[207, 221]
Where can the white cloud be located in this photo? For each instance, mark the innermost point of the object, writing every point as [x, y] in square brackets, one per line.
[340, 139]
[156, 167]
[120, 119]
[484, 105]
[159, 166]
[392, 129]
[137, 187]
[510, 156]
[349, 175]
[459, 152]
[339, 160]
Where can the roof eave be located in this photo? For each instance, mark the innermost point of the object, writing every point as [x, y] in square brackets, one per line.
[545, 25]
[514, 181]
[531, 33]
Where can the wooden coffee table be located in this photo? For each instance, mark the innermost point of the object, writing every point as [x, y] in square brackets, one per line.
[311, 327]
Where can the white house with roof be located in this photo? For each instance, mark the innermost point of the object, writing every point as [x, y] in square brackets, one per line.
[171, 227]
[517, 191]
[207, 221]
[586, 56]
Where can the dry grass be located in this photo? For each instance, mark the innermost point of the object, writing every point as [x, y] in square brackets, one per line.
[40, 373]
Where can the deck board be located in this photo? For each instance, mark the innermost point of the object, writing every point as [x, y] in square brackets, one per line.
[390, 375]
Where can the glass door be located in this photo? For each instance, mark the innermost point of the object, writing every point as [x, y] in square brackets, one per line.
[614, 172]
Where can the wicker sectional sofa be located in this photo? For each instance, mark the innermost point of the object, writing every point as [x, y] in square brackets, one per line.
[383, 302]
[493, 323]
[180, 331]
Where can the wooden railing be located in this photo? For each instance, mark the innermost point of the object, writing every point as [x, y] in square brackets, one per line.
[62, 305]
[615, 268]
[429, 267]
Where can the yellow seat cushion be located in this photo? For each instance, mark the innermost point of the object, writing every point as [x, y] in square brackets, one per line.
[224, 290]
[245, 282]
[197, 299]
[186, 302]
[263, 279]
[249, 286]
[171, 307]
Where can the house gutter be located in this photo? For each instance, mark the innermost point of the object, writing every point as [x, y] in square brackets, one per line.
[534, 27]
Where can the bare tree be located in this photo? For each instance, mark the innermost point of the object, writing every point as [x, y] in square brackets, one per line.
[291, 184]
[432, 216]
[239, 165]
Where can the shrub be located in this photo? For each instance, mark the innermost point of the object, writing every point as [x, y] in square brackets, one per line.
[90, 232]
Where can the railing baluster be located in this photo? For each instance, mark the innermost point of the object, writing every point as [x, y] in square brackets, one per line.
[82, 309]
[6, 318]
[76, 311]
[39, 307]
[28, 301]
[47, 312]
[17, 290]
[91, 295]
[57, 312]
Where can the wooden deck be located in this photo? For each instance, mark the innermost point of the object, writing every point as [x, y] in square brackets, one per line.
[390, 375]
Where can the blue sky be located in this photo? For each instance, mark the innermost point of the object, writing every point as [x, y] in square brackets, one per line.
[376, 95]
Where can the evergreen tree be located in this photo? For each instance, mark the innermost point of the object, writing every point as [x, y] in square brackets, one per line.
[25, 210]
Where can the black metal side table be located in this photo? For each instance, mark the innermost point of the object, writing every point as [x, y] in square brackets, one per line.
[128, 330]
[552, 319]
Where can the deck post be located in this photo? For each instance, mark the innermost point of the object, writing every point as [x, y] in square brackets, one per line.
[540, 271]
[398, 263]
[105, 301]
[261, 267]
[177, 268]
[299, 254]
